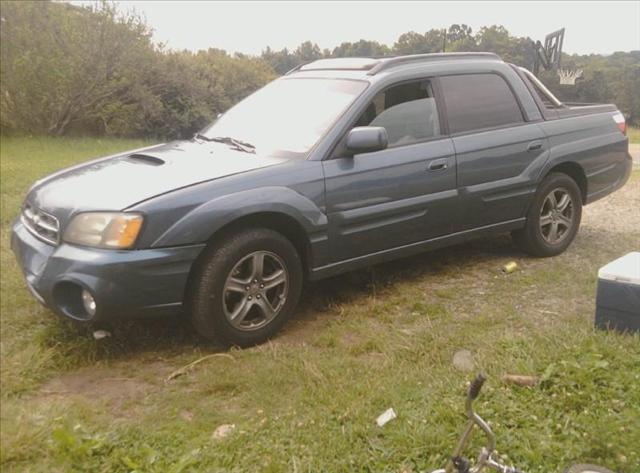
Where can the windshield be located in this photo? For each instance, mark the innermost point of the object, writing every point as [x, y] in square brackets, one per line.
[288, 116]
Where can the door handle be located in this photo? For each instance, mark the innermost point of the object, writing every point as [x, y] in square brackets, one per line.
[438, 165]
[534, 145]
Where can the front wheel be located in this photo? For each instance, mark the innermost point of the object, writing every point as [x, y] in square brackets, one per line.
[245, 287]
[553, 219]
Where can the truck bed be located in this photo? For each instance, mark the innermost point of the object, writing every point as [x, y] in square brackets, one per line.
[572, 109]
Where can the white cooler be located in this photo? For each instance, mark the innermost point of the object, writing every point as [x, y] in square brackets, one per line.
[618, 296]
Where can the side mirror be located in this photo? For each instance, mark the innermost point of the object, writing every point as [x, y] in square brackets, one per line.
[366, 139]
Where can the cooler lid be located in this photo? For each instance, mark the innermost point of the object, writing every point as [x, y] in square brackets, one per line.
[624, 269]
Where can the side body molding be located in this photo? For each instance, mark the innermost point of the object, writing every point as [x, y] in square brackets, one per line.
[205, 220]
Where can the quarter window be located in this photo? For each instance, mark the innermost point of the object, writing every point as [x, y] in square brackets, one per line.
[407, 111]
[477, 101]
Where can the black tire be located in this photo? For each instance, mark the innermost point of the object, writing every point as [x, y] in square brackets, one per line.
[210, 279]
[532, 239]
[585, 468]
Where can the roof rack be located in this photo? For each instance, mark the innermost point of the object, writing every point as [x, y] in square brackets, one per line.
[395, 61]
[375, 65]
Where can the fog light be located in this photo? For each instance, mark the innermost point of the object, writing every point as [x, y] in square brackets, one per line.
[88, 302]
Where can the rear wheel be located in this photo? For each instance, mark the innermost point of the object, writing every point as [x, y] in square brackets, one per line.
[553, 219]
[246, 287]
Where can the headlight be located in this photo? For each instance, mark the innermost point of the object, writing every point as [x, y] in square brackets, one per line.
[104, 229]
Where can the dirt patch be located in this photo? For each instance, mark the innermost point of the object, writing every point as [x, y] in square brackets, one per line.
[618, 212]
[95, 385]
[114, 385]
[301, 329]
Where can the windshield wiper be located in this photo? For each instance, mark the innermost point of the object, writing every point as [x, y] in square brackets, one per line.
[236, 144]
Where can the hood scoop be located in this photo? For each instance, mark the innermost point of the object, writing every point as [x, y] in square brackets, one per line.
[145, 159]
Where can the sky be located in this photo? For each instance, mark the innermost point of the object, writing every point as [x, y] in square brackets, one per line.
[248, 27]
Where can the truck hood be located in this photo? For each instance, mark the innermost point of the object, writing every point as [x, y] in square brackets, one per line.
[120, 181]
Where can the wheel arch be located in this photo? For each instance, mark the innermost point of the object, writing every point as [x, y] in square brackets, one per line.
[294, 215]
[575, 172]
[279, 222]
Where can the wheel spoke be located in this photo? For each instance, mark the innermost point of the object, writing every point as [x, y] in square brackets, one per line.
[241, 311]
[265, 307]
[553, 232]
[545, 220]
[275, 279]
[236, 285]
[552, 200]
[564, 202]
[564, 221]
[258, 265]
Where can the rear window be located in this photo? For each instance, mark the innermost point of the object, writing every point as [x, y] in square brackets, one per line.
[478, 101]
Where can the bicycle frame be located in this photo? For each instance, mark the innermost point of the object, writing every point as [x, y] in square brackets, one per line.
[457, 463]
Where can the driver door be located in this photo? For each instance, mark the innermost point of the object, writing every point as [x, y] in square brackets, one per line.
[398, 196]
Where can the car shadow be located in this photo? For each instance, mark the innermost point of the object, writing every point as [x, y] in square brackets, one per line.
[320, 296]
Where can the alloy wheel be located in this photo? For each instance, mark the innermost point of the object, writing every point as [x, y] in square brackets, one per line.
[255, 290]
[556, 216]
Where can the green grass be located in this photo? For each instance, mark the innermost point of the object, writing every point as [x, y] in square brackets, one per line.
[634, 135]
[307, 401]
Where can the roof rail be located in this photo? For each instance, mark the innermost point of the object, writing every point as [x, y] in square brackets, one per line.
[395, 61]
[337, 64]
[291, 71]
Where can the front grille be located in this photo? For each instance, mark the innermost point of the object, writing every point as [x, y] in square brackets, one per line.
[43, 225]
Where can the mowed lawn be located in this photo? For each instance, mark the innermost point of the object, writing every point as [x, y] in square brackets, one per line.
[361, 343]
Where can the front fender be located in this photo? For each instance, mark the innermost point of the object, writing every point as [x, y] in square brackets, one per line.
[206, 219]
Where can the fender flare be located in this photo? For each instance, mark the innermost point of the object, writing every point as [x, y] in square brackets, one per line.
[202, 222]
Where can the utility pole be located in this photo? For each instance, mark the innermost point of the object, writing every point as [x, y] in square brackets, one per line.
[444, 40]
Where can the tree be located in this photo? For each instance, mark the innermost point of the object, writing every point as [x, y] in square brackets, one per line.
[63, 64]
[281, 61]
[92, 70]
[362, 48]
[416, 43]
[460, 38]
[307, 52]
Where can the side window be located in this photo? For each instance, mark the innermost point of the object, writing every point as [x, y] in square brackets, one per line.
[477, 101]
[407, 111]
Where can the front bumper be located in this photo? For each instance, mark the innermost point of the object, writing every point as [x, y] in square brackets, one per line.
[123, 283]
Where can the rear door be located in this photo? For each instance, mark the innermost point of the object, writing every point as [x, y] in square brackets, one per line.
[398, 196]
[498, 153]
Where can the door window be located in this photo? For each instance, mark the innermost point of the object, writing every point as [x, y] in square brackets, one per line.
[478, 101]
[407, 111]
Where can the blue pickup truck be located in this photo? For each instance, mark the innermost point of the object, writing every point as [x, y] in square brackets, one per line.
[339, 164]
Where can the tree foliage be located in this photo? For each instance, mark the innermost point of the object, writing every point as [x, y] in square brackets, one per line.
[61, 64]
[67, 69]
